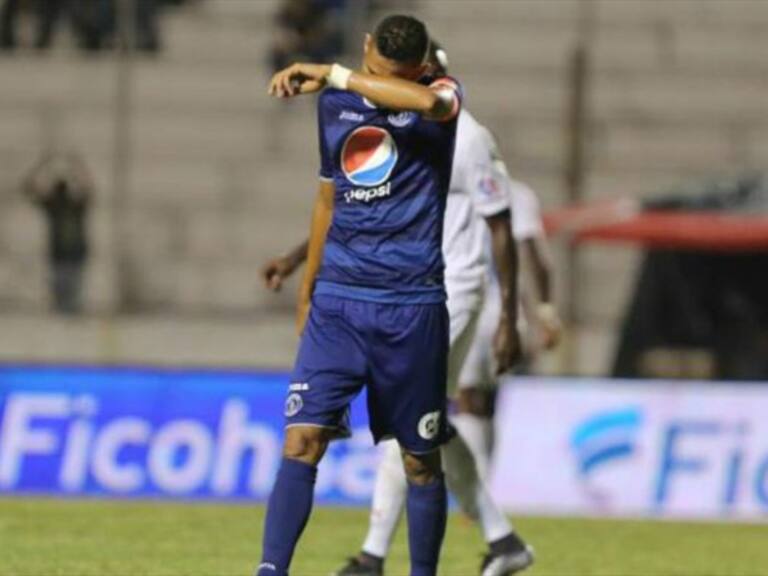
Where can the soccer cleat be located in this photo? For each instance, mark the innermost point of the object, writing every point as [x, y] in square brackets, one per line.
[507, 563]
[355, 567]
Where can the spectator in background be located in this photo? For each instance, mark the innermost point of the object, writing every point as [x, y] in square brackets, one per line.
[49, 13]
[308, 29]
[146, 31]
[62, 187]
[94, 21]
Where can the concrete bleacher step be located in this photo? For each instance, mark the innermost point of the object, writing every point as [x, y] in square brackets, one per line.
[715, 47]
[74, 83]
[670, 95]
[534, 94]
[703, 148]
[224, 177]
[243, 11]
[226, 41]
[56, 79]
[483, 12]
[694, 12]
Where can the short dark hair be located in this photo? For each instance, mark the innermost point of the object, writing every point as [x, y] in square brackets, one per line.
[402, 39]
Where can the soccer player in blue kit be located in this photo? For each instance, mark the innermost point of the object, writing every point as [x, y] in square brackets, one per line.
[372, 303]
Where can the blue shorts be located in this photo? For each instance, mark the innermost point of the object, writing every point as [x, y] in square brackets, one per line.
[399, 351]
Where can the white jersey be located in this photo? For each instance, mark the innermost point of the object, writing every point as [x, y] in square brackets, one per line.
[479, 366]
[526, 210]
[475, 193]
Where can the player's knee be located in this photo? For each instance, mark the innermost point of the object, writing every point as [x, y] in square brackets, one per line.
[480, 402]
[306, 444]
[421, 469]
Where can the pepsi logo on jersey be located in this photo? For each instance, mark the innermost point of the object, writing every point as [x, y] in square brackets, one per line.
[367, 159]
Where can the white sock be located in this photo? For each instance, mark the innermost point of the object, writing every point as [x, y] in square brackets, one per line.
[478, 434]
[461, 475]
[388, 500]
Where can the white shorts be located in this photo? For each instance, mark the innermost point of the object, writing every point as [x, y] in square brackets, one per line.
[464, 311]
[479, 366]
[479, 369]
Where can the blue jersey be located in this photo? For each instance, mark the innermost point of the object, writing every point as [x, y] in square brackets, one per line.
[392, 172]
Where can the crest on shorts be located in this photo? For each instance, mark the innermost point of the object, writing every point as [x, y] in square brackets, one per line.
[293, 404]
[429, 425]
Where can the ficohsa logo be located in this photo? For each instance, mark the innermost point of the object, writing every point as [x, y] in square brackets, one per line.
[696, 460]
[602, 440]
[368, 157]
[84, 444]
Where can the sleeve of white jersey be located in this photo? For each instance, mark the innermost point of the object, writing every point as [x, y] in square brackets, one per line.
[488, 187]
[526, 211]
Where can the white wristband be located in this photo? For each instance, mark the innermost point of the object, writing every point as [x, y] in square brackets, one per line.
[338, 77]
[547, 312]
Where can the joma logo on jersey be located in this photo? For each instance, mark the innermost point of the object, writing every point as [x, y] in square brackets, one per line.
[368, 157]
[351, 116]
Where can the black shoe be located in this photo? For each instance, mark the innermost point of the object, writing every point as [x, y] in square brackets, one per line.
[357, 567]
[507, 563]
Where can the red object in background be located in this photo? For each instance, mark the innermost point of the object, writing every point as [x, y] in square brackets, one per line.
[623, 221]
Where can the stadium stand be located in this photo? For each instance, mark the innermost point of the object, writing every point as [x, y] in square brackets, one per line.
[222, 178]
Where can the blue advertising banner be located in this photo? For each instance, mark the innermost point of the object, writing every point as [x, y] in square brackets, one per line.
[151, 432]
[581, 447]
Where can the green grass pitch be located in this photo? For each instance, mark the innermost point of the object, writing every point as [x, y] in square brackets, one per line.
[107, 538]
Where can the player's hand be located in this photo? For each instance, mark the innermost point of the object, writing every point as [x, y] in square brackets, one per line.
[298, 79]
[550, 325]
[275, 271]
[507, 345]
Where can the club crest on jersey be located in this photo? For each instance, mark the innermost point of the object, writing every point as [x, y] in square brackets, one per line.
[369, 155]
[401, 119]
[490, 187]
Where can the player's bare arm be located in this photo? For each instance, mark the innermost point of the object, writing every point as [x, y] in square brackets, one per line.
[507, 341]
[437, 101]
[321, 221]
[279, 269]
[535, 254]
[388, 91]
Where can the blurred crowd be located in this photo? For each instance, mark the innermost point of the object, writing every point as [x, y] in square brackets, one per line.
[320, 30]
[317, 30]
[93, 23]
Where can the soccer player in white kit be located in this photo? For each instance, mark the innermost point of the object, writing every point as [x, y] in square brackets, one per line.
[539, 323]
[478, 192]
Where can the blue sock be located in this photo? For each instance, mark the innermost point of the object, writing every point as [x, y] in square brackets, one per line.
[287, 513]
[427, 513]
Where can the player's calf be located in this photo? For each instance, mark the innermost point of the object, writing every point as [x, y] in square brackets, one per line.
[477, 401]
[473, 420]
[426, 503]
[291, 500]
